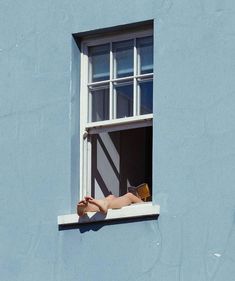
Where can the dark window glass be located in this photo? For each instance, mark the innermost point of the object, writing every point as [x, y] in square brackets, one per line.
[99, 63]
[146, 97]
[124, 94]
[99, 104]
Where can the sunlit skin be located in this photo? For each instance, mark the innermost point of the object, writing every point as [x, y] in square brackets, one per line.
[89, 204]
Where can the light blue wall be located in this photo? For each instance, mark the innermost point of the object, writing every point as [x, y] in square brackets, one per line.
[194, 147]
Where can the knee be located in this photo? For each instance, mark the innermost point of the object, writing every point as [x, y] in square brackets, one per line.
[130, 195]
[133, 198]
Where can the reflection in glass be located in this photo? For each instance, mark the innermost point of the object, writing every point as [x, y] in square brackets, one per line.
[99, 63]
[123, 55]
[124, 95]
[145, 48]
[146, 97]
[99, 104]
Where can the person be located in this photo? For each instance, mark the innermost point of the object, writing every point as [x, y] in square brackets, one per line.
[89, 204]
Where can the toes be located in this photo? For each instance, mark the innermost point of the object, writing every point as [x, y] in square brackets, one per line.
[82, 203]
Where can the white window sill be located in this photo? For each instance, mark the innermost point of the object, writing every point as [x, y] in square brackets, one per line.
[133, 211]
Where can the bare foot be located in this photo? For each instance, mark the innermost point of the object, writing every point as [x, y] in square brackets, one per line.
[81, 207]
[87, 205]
[101, 204]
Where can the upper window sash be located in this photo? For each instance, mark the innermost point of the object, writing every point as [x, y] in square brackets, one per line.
[115, 90]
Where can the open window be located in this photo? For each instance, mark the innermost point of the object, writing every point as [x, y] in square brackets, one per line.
[120, 159]
[116, 118]
[116, 99]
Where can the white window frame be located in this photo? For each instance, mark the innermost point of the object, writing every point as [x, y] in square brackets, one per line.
[86, 127]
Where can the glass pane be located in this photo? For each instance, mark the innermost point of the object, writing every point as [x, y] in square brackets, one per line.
[99, 104]
[145, 48]
[146, 97]
[99, 63]
[123, 55]
[124, 95]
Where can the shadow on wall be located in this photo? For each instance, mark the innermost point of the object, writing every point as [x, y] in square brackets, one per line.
[95, 226]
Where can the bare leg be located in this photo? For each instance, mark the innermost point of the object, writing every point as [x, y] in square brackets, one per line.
[123, 201]
[90, 204]
[110, 197]
[114, 203]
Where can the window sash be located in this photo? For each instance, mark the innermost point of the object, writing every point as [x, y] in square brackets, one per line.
[112, 81]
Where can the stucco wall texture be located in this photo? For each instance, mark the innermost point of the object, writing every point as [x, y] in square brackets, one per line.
[194, 144]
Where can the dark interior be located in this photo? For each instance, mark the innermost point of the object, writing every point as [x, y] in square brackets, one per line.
[121, 159]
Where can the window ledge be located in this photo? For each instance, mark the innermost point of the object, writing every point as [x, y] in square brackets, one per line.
[133, 211]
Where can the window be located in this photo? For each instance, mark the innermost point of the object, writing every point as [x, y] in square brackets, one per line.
[115, 117]
[116, 106]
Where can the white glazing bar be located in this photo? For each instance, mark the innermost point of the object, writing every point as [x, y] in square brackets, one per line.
[135, 103]
[144, 76]
[111, 100]
[123, 79]
[114, 90]
[137, 84]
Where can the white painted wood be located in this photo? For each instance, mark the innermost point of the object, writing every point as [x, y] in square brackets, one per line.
[135, 109]
[103, 84]
[120, 121]
[119, 127]
[111, 99]
[83, 120]
[132, 211]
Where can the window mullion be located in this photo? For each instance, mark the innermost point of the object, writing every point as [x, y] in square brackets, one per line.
[137, 79]
[135, 94]
[111, 97]
[114, 104]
